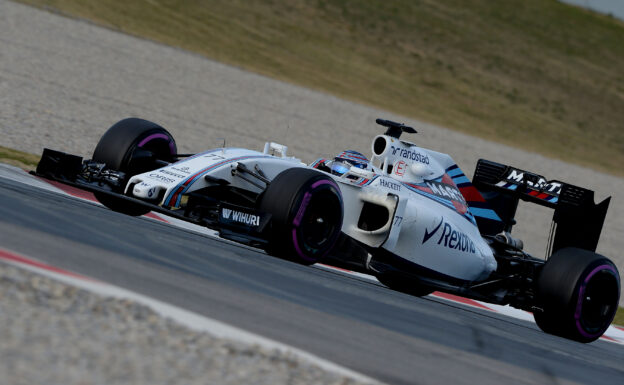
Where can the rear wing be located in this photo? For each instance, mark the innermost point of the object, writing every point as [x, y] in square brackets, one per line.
[577, 220]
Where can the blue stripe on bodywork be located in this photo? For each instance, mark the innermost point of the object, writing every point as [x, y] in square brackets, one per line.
[511, 186]
[485, 213]
[460, 179]
[370, 181]
[203, 172]
[468, 215]
[454, 171]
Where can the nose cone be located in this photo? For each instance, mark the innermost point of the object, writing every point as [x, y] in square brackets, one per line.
[145, 191]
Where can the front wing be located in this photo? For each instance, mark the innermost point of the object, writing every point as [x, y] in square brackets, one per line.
[239, 223]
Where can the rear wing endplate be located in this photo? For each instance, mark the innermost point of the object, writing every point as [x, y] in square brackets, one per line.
[577, 220]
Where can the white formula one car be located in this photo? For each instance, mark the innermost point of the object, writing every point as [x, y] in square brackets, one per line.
[408, 215]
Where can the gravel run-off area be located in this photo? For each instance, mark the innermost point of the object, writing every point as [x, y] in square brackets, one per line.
[63, 82]
[53, 333]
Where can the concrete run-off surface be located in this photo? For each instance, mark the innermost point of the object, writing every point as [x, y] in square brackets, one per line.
[73, 336]
[64, 82]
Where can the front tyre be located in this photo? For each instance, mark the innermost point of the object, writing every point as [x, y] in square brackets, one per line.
[132, 146]
[306, 215]
[579, 292]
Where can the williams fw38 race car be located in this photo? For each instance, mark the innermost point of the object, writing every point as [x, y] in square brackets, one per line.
[408, 215]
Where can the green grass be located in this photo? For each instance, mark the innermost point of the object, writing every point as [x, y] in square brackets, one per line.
[619, 317]
[18, 158]
[535, 74]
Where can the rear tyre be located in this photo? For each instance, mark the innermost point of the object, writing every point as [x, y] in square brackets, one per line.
[306, 215]
[132, 145]
[579, 292]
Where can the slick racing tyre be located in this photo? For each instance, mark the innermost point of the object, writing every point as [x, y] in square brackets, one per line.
[579, 292]
[132, 145]
[306, 215]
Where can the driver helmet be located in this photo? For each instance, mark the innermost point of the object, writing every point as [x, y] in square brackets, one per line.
[347, 159]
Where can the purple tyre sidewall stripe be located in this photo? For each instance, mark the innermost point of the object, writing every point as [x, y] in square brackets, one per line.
[304, 204]
[324, 181]
[579, 303]
[301, 212]
[149, 138]
[298, 249]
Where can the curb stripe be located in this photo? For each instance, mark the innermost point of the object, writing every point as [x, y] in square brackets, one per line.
[16, 258]
[182, 316]
[465, 301]
[88, 196]
[71, 190]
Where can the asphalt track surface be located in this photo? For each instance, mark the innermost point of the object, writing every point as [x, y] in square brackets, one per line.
[356, 323]
[63, 82]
